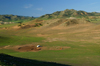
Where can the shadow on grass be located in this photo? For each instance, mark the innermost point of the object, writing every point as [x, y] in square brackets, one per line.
[16, 61]
[4, 38]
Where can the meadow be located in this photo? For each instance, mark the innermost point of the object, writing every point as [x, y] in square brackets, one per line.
[76, 45]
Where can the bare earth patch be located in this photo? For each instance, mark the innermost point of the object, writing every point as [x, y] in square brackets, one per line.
[28, 48]
[54, 39]
[16, 27]
[59, 48]
[6, 46]
[33, 48]
[41, 35]
[22, 48]
[96, 37]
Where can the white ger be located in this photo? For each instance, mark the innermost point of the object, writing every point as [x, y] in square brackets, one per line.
[38, 45]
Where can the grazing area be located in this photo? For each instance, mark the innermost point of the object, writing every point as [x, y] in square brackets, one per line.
[51, 42]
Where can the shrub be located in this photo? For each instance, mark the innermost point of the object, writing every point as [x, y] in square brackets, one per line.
[19, 25]
[72, 21]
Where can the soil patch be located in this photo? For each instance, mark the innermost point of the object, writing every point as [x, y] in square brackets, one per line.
[33, 48]
[23, 48]
[59, 48]
[41, 35]
[28, 48]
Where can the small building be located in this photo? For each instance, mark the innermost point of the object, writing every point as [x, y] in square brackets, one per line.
[38, 46]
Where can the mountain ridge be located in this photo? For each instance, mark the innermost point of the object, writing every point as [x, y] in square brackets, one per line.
[69, 13]
[10, 18]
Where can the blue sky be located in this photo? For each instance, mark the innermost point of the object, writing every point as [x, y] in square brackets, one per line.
[38, 8]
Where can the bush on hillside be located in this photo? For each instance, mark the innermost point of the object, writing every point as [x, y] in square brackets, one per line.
[33, 25]
[72, 21]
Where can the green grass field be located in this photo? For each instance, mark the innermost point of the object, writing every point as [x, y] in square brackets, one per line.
[82, 40]
[79, 54]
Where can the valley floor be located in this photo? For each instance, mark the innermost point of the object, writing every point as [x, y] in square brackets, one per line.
[76, 45]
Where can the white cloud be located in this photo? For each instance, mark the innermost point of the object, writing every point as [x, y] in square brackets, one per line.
[97, 11]
[28, 6]
[93, 3]
[40, 9]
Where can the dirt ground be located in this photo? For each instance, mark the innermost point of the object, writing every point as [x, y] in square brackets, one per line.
[28, 48]
[32, 48]
[22, 48]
